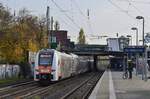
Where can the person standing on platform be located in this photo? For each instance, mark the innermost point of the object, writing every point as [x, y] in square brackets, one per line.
[130, 68]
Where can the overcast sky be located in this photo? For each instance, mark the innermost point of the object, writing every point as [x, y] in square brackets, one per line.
[107, 17]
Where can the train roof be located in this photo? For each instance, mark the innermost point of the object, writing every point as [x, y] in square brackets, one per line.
[53, 51]
[46, 50]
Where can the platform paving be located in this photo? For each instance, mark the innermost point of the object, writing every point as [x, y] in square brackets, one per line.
[112, 86]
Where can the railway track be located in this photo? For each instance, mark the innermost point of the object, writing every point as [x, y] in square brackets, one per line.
[16, 85]
[24, 81]
[80, 86]
[77, 88]
[27, 90]
[83, 90]
[8, 91]
[52, 91]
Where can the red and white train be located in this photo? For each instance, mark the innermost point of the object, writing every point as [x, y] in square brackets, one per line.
[51, 65]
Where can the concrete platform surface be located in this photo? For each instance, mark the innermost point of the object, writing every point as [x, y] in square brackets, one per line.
[112, 86]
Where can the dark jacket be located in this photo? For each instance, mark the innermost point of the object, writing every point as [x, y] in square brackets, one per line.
[130, 66]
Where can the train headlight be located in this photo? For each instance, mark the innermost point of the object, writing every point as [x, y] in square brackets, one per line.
[45, 71]
[37, 70]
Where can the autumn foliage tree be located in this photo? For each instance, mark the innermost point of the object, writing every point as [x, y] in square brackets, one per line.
[19, 35]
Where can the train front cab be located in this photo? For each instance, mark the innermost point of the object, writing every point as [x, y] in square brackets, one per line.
[44, 67]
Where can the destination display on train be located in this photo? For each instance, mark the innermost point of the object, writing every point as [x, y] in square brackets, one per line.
[45, 55]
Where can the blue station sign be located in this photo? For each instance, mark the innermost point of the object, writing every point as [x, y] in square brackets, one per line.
[134, 49]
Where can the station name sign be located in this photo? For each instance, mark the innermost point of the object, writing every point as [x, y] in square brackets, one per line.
[134, 49]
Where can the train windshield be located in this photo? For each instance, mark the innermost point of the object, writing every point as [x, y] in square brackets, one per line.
[45, 59]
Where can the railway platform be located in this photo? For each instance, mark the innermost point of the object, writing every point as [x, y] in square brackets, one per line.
[112, 86]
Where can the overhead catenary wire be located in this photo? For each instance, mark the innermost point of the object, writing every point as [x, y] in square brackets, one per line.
[86, 17]
[136, 8]
[66, 23]
[70, 18]
[122, 10]
[74, 7]
[75, 28]
[126, 12]
[139, 2]
[81, 12]
[61, 10]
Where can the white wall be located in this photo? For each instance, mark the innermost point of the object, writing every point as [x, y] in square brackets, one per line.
[113, 45]
[8, 71]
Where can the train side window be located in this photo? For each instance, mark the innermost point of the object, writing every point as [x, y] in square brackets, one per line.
[148, 54]
[148, 62]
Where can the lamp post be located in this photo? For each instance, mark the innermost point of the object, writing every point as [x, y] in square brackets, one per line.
[129, 36]
[134, 28]
[141, 17]
[144, 61]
